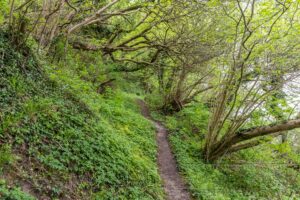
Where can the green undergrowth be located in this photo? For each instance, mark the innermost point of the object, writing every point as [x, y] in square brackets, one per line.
[67, 141]
[13, 193]
[258, 173]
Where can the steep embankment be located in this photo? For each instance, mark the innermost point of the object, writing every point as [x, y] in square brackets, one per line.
[60, 139]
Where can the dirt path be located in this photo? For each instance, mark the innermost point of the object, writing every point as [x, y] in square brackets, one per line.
[174, 186]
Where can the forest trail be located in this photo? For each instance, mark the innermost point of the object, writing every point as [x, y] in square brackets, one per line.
[174, 186]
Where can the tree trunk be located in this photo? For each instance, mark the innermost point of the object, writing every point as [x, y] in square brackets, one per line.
[244, 139]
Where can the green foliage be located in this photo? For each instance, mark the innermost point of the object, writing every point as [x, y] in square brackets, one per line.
[258, 173]
[3, 10]
[7, 193]
[68, 130]
[74, 142]
[193, 120]
[6, 156]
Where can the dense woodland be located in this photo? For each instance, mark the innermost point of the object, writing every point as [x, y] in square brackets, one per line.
[222, 76]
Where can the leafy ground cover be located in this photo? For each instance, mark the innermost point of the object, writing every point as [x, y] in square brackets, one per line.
[65, 141]
[258, 173]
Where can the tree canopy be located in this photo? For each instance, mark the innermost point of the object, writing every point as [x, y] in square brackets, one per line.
[238, 60]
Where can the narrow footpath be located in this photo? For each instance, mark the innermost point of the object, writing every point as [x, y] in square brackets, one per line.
[174, 186]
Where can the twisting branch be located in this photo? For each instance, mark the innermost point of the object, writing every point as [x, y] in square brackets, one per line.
[91, 18]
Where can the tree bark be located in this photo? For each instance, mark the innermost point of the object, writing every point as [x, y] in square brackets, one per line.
[91, 18]
[232, 143]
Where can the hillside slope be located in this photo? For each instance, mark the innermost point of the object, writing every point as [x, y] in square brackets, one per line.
[61, 140]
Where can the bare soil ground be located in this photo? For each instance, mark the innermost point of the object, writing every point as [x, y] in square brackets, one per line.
[174, 186]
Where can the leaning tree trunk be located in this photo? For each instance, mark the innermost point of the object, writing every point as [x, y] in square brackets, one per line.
[244, 139]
